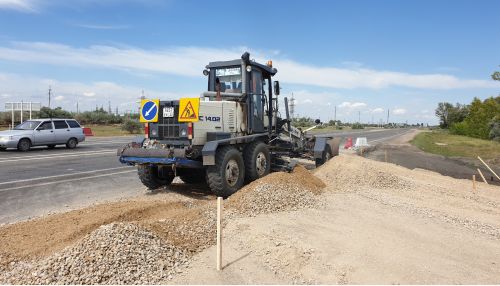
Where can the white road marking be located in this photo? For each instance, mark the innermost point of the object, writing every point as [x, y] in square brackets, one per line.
[64, 181]
[104, 143]
[63, 175]
[26, 158]
[56, 154]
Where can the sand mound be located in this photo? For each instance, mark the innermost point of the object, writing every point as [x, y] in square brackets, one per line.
[118, 253]
[278, 191]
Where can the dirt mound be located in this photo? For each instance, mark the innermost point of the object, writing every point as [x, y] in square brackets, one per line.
[350, 173]
[45, 235]
[278, 191]
[119, 253]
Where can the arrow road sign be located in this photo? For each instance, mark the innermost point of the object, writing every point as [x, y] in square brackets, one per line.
[149, 110]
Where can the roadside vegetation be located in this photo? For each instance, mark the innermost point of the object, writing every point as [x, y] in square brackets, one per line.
[451, 145]
[335, 126]
[479, 119]
[103, 123]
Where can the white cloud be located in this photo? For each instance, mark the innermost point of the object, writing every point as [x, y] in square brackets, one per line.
[306, 101]
[399, 111]
[352, 105]
[189, 61]
[89, 94]
[377, 110]
[19, 5]
[59, 98]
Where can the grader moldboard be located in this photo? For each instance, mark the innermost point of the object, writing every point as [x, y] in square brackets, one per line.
[231, 135]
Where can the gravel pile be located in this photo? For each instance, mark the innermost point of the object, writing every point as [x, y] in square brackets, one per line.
[193, 229]
[118, 253]
[350, 173]
[277, 192]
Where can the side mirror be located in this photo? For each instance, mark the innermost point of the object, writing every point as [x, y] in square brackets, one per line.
[205, 72]
[277, 87]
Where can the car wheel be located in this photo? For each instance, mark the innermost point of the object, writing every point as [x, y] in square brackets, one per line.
[51, 146]
[24, 145]
[72, 142]
[3, 148]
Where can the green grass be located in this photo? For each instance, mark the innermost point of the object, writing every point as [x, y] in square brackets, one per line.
[456, 145]
[109, 130]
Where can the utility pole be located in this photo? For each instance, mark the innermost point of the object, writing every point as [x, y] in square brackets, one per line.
[77, 110]
[387, 115]
[335, 115]
[109, 106]
[359, 116]
[50, 91]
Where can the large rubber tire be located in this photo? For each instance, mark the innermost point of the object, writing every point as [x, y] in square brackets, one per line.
[150, 177]
[228, 174]
[71, 144]
[327, 155]
[193, 176]
[3, 148]
[257, 161]
[24, 145]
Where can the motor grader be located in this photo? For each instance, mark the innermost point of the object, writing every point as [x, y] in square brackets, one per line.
[231, 135]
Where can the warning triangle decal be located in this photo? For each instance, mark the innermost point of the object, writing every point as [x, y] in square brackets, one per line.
[188, 112]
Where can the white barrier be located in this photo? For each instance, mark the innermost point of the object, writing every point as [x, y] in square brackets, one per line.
[361, 142]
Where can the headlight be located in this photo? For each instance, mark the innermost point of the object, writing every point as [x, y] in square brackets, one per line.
[249, 68]
[183, 132]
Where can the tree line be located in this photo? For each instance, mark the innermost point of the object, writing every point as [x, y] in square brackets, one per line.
[479, 119]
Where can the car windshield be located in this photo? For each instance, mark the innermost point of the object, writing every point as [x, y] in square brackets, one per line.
[27, 125]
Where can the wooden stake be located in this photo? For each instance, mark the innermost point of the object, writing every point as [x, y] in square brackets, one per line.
[219, 234]
[386, 155]
[489, 168]
[474, 183]
[481, 173]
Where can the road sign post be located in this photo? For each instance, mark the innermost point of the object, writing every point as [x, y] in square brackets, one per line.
[22, 106]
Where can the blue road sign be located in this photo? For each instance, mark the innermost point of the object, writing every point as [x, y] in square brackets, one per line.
[149, 110]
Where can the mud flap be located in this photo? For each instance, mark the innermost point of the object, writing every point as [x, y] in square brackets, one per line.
[334, 146]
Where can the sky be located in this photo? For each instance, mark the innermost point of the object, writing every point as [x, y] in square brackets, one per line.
[362, 57]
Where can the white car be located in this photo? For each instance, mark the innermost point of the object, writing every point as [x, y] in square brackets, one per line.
[42, 132]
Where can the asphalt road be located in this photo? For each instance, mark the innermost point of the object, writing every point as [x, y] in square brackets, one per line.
[41, 181]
